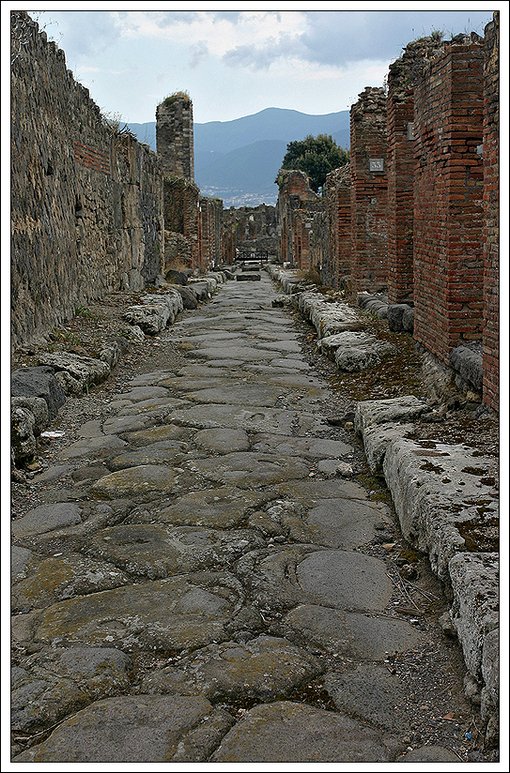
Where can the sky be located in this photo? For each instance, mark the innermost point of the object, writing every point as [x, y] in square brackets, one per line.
[238, 62]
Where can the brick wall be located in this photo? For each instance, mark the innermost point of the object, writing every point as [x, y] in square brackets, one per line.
[448, 264]
[402, 77]
[369, 192]
[491, 215]
[86, 202]
[336, 264]
[210, 232]
[296, 207]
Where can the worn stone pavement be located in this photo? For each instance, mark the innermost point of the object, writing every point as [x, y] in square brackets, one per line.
[210, 588]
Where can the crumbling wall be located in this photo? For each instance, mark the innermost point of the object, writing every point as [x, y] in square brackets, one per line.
[249, 230]
[369, 192]
[448, 213]
[85, 200]
[210, 217]
[174, 136]
[296, 207]
[402, 77]
[336, 263]
[491, 215]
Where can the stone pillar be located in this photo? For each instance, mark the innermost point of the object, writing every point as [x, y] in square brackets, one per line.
[402, 77]
[337, 257]
[369, 192]
[174, 136]
[448, 260]
[295, 207]
[491, 215]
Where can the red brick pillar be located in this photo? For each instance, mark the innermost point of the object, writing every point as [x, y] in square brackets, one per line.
[491, 215]
[448, 262]
[402, 77]
[337, 258]
[369, 192]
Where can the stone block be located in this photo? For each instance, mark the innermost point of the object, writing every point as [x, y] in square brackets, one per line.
[38, 382]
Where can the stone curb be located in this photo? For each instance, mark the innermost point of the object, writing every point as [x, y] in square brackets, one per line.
[444, 499]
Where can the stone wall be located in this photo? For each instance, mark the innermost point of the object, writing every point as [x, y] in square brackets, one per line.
[336, 263]
[249, 230]
[369, 198]
[296, 207]
[210, 220]
[174, 136]
[491, 215]
[86, 201]
[448, 261]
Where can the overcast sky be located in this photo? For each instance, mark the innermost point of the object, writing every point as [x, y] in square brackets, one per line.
[237, 62]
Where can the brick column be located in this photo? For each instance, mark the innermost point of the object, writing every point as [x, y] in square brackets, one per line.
[448, 263]
[369, 192]
[491, 215]
[337, 260]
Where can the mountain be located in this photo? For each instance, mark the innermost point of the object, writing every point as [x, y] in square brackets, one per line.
[238, 160]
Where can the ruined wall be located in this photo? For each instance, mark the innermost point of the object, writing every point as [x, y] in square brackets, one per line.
[210, 232]
[296, 208]
[369, 192]
[448, 263]
[491, 215]
[86, 202]
[336, 263]
[402, 77]
[249, 230]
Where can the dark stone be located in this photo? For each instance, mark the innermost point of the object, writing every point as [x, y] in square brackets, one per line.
[176, 277]
[395, 315]
[468, 364]
[248, 277]
[408, 320]
[189, 298]
[38, 382]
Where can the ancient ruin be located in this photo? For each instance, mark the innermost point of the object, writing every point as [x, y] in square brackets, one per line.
[254, 451]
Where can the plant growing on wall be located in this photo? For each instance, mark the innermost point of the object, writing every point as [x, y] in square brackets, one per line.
[316, 156]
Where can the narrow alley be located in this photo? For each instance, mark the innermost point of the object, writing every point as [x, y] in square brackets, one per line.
[207, 564]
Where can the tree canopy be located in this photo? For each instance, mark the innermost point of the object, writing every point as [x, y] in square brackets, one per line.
[316, 156]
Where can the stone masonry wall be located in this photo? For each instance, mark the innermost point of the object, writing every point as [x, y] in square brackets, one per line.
[337, 252]
[86, 202]
[491, 215]
[369, 192]
[296, 207]
[174, 136]
[249, 229]
[402, 77]
[448, 263]
[210, 217]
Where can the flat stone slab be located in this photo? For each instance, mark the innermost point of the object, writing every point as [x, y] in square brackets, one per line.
[146, 437]
[247, 469]
[145, 480]
[371, 694]
[154, 454]
[229, 352]
[156, 550]
[293, 732]
[431, 753]
[360, 350]
[118, 425]
[311, 492]
[369, 637]
[393, 410]
[142, 393]
[61, 577]
[141, 728]
[260, 419]
[308, 448]
[244, 394]
[157, 407]
[57, 682]
[93, 447]
[190, 610]
[263, 669]
[223, 440]
[224, 507]
[46, 518]
[344, 580]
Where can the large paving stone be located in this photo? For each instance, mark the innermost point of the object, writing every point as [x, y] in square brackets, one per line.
[94, 447]
[305, 447]
[156, 550]
[344, 580]
[159, 434]
[245, 394]
[46, 518]
[293, 732]
[234, 353]
[339, 523]
[368, 637]
[142, 393]
[224, 507]
[57, 682]
[371, 694]
[263, 669]
[247, 469]
[142, 481]
[156, 408]
[117, 425]
[61, 577]
[256, 419]
[190, 610]
[223, 440]
[312, 492]
[170, 452]
[141, 728]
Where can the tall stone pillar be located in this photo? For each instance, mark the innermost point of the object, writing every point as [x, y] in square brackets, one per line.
[174, 136]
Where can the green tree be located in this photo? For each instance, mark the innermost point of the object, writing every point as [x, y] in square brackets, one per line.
[316, 156]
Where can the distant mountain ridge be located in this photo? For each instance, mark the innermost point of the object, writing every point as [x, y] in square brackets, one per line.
[238, 160]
